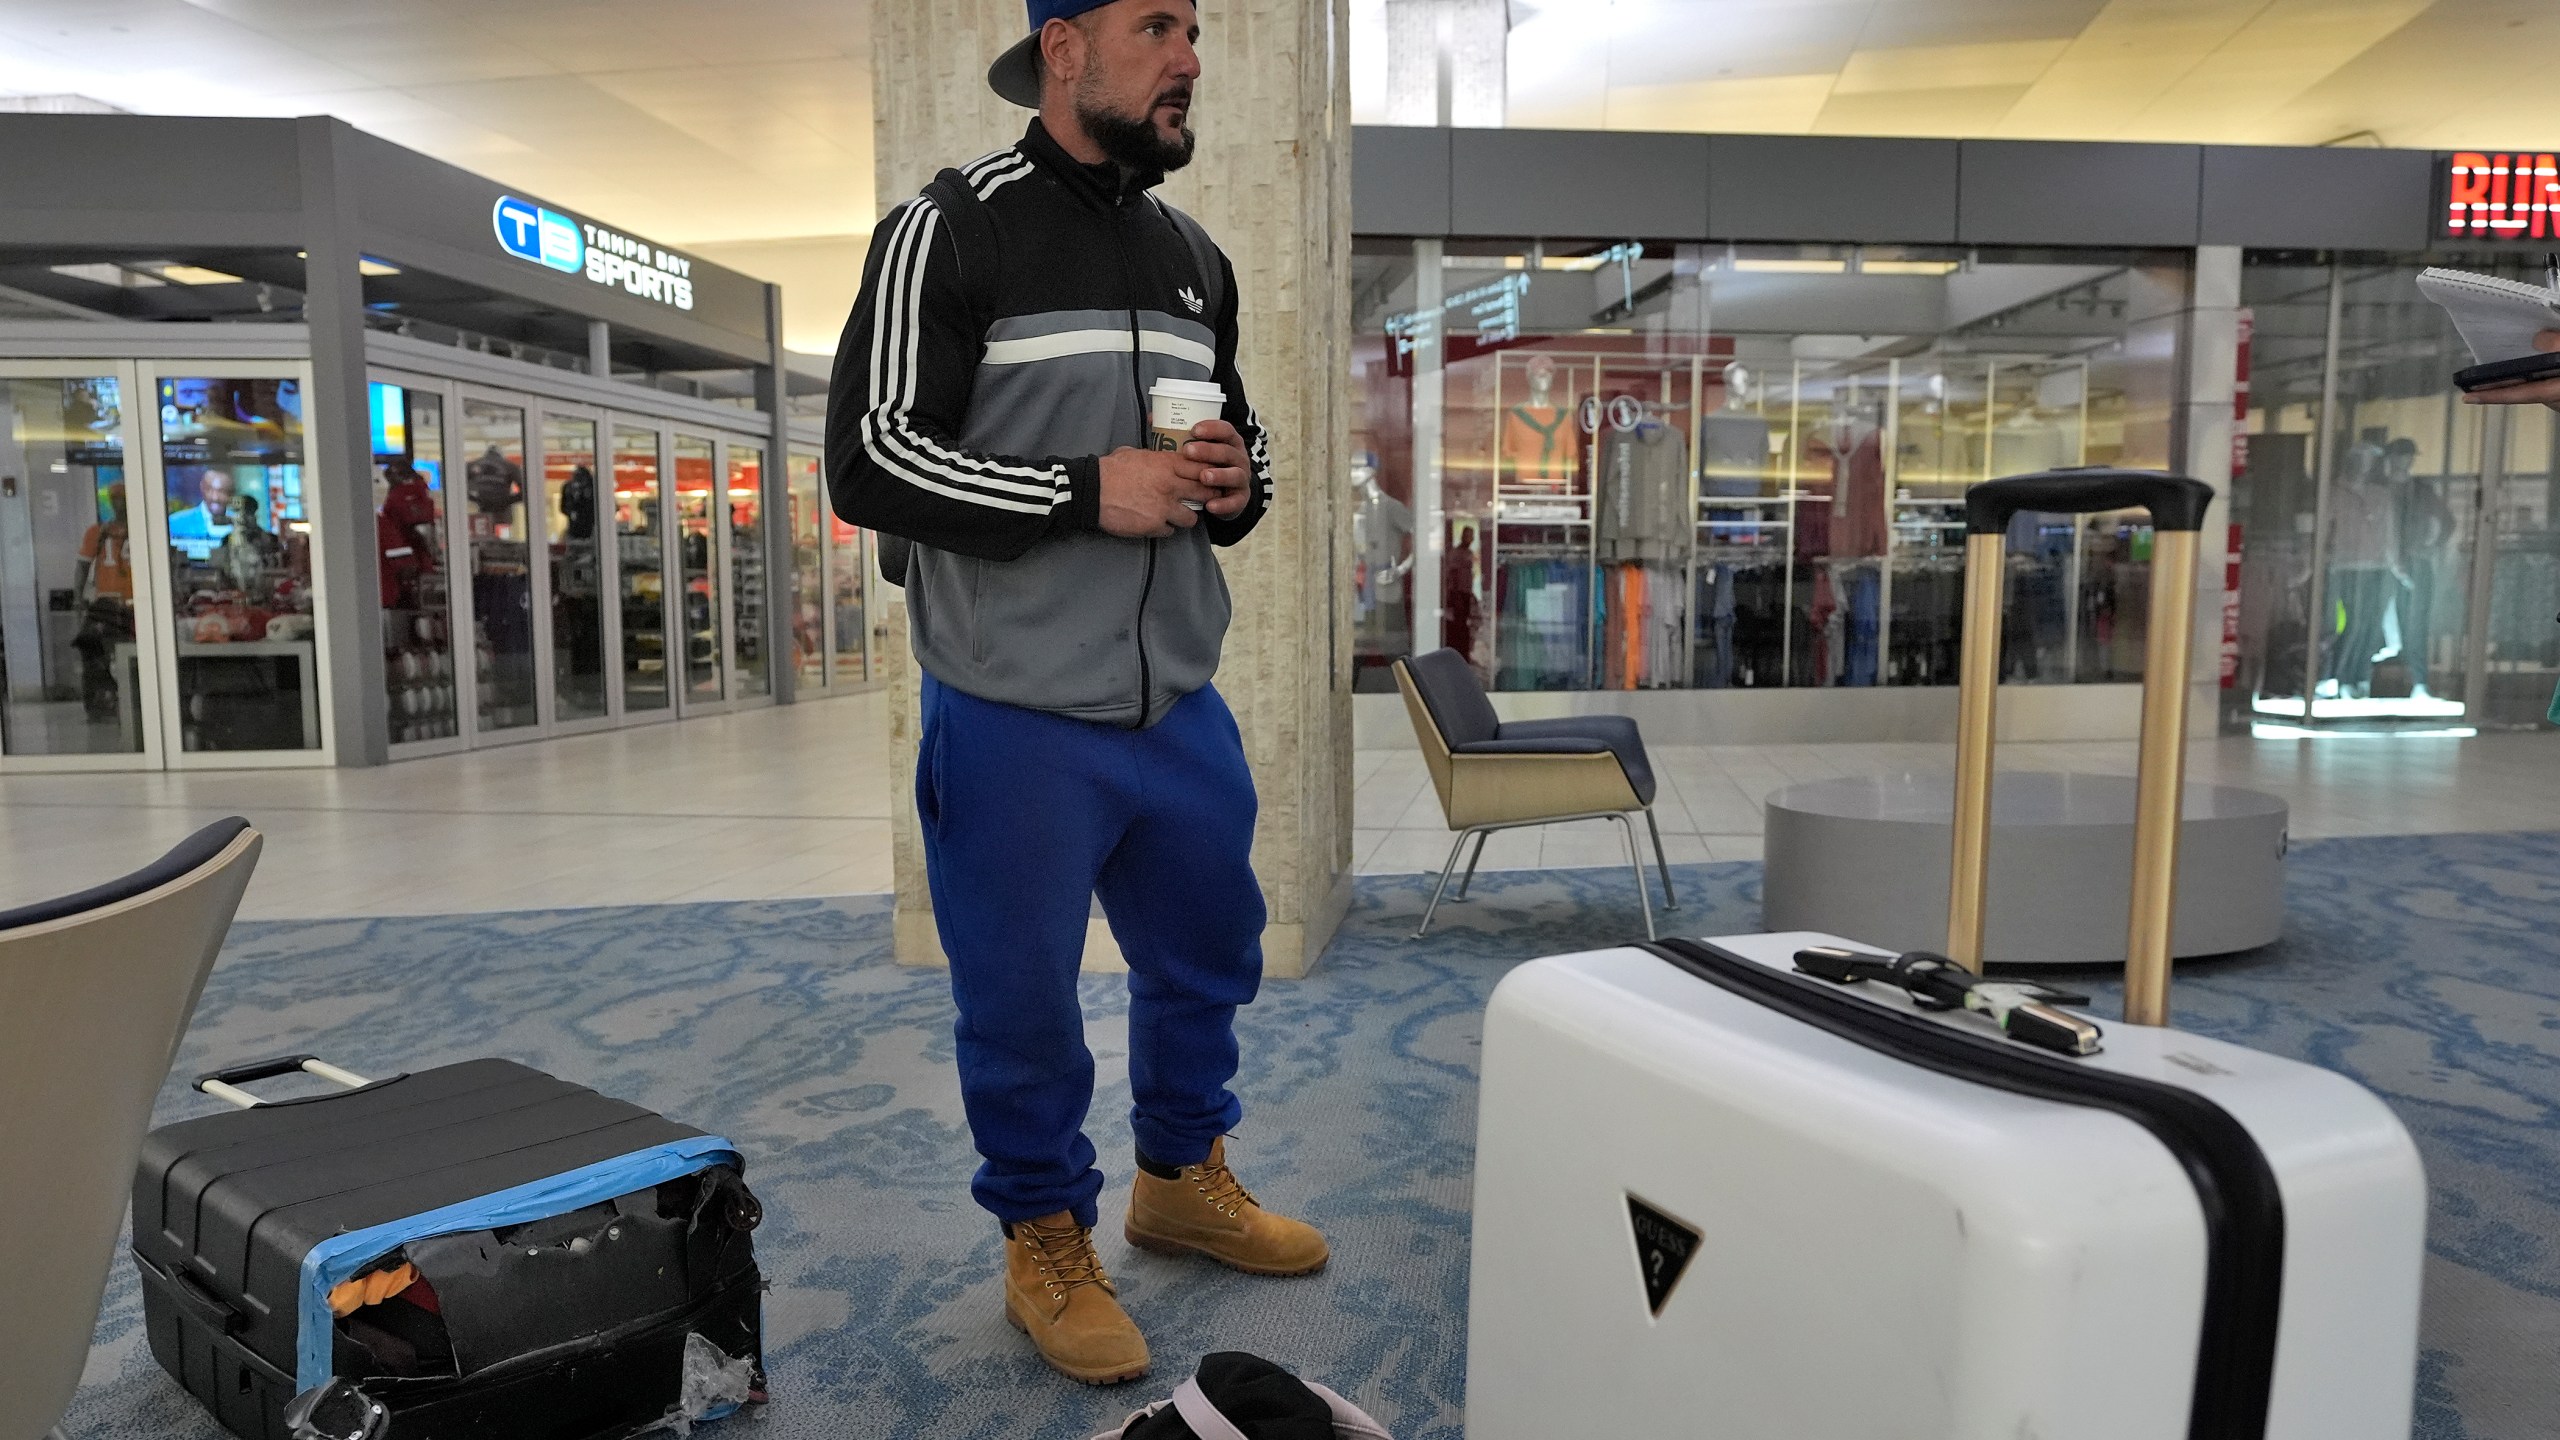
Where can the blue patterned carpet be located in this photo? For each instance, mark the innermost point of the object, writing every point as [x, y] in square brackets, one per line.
[2427, 967]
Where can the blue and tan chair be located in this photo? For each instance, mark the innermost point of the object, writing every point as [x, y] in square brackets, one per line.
[95, 991]
[1493, 774]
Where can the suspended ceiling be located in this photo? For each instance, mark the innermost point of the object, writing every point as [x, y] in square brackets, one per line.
[2406, 73]
[742, 128]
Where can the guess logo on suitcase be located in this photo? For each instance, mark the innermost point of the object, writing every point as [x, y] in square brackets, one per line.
[1663, 1249]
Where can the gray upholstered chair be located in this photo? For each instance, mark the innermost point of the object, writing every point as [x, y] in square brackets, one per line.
[1493, 774]
[95, 991]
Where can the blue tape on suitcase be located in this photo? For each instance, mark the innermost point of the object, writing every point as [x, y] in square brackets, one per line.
[561, 1248]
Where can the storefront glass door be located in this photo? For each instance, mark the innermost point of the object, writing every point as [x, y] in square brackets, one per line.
[72, 540]
[808, 629]
[640, 529]
[848, 617]
[501, 565]
[748, 592]
[577, 565]
[420, 677]
[699, 599]
[246, 669]
[1745, 468]
[2520, 651]
[2358, 506]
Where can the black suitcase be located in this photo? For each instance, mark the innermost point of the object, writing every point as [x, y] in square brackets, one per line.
[568, 1245]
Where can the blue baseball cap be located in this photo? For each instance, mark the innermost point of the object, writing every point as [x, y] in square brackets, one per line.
[1016, 73]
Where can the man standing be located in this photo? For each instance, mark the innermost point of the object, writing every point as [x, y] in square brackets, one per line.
[990, 406]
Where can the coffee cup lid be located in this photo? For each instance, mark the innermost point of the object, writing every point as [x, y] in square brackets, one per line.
[1188, 389]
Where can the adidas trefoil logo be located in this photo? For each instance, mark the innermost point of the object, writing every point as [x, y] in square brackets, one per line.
[1189, 299]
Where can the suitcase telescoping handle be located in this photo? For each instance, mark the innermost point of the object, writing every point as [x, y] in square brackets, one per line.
[2177, 505]
[225, 1084]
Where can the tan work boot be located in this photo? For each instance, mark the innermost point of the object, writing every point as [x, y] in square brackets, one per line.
[1055, 1292]
[1203, 1210]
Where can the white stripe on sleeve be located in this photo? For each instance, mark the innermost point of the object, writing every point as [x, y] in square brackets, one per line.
[895, 445]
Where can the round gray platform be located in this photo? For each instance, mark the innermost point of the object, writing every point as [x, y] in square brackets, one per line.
[1866, 859]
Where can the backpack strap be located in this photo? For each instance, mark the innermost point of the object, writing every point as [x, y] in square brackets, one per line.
[1204, 254]
[1203, 1418]
[973, 240]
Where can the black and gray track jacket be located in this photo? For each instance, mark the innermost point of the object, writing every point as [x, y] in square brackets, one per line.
[969, 413]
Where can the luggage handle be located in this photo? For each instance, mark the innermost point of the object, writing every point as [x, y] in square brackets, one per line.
[225, 1084]
[2177, 504]
[210, 1310]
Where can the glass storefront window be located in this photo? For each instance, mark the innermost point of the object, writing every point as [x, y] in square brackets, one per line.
[697, 543]
[1661, 467]
[641, 548]
[746, 568]
[849, 576]
[68, 656]
[808, 571]
[247, 661]
[418, 671]
[2360, 575]
[577, 567]
[501, 564]
[2521, 651]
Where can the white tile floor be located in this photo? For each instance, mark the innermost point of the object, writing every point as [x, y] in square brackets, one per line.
[1709, 796]
[795, 801]
[776, 802]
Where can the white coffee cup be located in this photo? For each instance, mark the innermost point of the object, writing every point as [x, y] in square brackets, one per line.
[1176, 407]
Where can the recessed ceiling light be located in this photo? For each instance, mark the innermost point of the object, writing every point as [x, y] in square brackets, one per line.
[196, 275]
[370, 266]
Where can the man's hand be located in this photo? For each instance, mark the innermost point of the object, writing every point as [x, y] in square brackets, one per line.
[1219, 451]
[1143, 490]
[2545, 392]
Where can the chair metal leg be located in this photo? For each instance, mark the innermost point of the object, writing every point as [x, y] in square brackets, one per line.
[1635, 863]
[1669, 900]
[1469, 878]
[55, 1434]
[1443, 886]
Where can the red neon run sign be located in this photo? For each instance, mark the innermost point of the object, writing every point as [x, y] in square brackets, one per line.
[2494, 195]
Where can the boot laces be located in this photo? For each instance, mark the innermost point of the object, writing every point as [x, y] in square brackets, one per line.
[1065, 1256]
[1219, 1186]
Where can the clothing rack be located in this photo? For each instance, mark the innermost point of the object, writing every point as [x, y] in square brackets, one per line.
[1907, 542]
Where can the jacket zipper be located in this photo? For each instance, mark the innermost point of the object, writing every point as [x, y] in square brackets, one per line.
[1138, 383]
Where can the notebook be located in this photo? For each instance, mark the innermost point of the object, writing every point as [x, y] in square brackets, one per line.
[2497, 317]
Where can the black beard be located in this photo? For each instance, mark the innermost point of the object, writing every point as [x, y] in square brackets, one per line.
[1136, 144]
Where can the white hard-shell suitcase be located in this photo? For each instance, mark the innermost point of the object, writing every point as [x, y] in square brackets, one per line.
[1718, 1196]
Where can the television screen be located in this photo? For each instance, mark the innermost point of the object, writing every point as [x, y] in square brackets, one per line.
[390, 421]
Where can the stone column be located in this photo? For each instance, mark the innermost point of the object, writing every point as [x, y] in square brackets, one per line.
[2210, 351]
[339, 448]
[1272, 183]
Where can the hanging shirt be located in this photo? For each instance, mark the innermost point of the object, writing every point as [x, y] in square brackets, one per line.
[1644, 494]
[1541, 443]
[1857, 518]
[1733, 452]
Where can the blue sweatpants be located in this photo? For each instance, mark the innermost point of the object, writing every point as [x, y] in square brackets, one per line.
[1027, 817]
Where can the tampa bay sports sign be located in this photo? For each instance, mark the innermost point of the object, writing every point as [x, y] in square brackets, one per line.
[578, 247]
